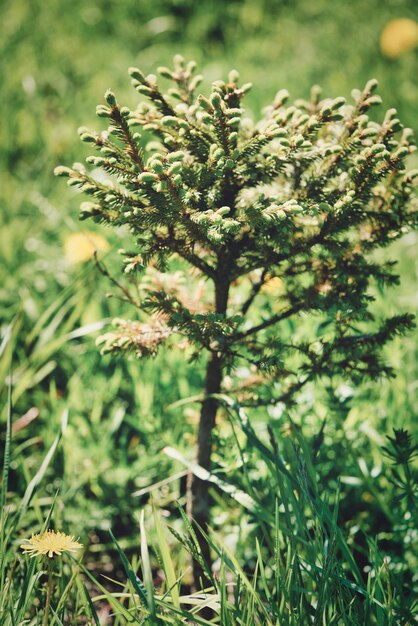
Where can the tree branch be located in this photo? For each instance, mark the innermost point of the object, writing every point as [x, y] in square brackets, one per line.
[267, 323]
[254, 292]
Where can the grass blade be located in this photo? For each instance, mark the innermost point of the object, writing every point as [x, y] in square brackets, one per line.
[132, 577]
[167, 561]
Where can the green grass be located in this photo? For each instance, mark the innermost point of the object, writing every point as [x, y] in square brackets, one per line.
[282, 559]
[302, 567]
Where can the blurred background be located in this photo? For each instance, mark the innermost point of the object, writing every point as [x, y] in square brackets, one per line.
[57, 58]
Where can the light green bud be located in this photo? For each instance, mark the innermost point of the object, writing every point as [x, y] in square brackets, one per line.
[179, 61]
[217, 153]
[74, 182]
[395, 125]
[326, 111]
[204, 102]
[199, 218]
[175, 156]
[146, 91]
[378, 148]
[195, 82]
[61, 170]
[175, 168]
[363, 120]
[246, 87]
[147, 177]
[157, 167]
[369, 132]
[164, 71]
[103, 111]
[277, 132]
[169, 121]
[376, 151]
[86, 134]
[337, 103]
[87, 209]
[87, 187]
[110, 98]
[95, 160]
[371, 86]
[135, 73]
[390, 114]
[401, 153]
[191, 66]
[234, 112]
[303, 119]
[290, 112]
[215, 100]
[215, 236]
[280, 98]
[373, 100]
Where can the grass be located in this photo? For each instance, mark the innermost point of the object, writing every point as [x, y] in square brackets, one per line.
[302, 568]
[306, 531]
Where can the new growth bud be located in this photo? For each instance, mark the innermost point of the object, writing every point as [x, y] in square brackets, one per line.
[136, 74]
[110, 98]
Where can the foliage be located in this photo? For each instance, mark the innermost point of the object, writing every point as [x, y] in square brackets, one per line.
[305, 196]
[123, 415]
[302, 571]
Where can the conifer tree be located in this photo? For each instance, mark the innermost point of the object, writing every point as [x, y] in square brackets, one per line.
[295, 204]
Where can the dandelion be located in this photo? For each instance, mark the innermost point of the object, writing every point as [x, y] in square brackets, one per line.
[398, 36]
[50, 543]
[82, 245]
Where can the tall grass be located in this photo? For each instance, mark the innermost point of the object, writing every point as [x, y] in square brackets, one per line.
[298, 565]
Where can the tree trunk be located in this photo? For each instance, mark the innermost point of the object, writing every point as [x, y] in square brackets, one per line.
[200, 488]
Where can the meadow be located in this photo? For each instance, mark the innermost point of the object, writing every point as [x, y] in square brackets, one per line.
[313, 508]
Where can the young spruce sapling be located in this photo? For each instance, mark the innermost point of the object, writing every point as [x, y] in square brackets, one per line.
[300, 199]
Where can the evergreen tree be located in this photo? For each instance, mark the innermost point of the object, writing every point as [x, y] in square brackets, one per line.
[295, 204]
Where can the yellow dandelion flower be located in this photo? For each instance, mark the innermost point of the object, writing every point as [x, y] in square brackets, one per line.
[82, 245]
[50, 543]
[399, 36]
